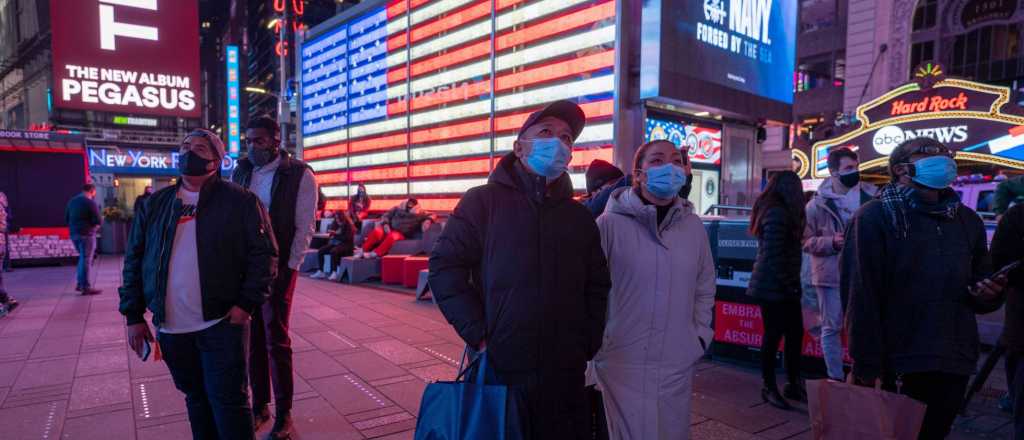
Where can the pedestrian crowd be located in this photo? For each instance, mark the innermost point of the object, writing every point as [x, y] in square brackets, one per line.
[592, 313]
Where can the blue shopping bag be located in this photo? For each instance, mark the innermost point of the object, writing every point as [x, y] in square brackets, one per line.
[470, 410]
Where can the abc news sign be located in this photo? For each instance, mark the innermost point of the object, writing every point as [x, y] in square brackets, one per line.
[126, 56]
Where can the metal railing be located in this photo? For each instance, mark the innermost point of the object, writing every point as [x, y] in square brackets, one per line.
[719, 208]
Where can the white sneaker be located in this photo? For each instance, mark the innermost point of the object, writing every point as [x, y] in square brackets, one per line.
[336, 276]
[358, 253]
[370, 255]
[319, 275]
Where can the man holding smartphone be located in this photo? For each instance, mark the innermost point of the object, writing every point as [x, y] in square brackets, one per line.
[917, 270]
[1008, 250]
[201, 257]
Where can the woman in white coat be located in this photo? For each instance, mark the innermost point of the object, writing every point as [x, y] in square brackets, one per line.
[660, 305]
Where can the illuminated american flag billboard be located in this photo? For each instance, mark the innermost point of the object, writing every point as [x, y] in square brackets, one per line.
[421, 98]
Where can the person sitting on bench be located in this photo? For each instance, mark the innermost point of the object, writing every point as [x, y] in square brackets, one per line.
[402, 221]
[341, 244]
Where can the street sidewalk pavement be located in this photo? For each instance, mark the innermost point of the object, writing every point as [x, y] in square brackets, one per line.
[362, 359]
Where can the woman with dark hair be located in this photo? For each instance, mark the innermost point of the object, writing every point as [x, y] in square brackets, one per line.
[359, 206]
[778, 222]
[660, 305]
[342, 244]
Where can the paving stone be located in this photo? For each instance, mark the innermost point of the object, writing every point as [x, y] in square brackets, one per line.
[434, 373]
[403, 426]
[106, 426]
[172, 431]
[354, 329]
[404, 435]
[410, 335]
[449, 353]
[46, 372]
[150, 368]
[365, 315]
[349, 395]
[317, 419]
[324, 314]
[48, 348]
[315, 364]
[712, 430]
[104, 334]
[397, 351]
[369, 366]
[19, 324]
[9, 372]
[747, 419]
[100, 390]
[786, 430]
[330, 341]
[155, 399]
[34, 422]
[105, 361]
[405, 394]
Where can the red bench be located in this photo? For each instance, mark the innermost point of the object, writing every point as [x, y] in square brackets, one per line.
[412, 268]
[392, 269]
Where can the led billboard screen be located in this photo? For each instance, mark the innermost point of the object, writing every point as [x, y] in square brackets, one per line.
[744, 46]
[703, 143]
[422, 98]
[126, 56]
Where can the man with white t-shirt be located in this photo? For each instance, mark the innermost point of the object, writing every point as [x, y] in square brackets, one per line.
[201, 257]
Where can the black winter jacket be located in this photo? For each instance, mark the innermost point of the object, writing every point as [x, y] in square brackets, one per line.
[401, 220]
[525, 272]
[909, 307]
[776, 275]
[1007, 247]
[236, 248]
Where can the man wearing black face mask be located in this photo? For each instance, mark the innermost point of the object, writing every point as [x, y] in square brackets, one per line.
[287, 188]
[201, 257]
[916, 268]
[828, 213]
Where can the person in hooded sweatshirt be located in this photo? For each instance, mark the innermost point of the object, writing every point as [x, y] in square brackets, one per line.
[660, 305]
[828, 214]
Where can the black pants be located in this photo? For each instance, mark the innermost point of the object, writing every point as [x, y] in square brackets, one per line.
[209, 367]
[553, 404]
[271, 360]
[337, 252]
[599, 420]
[942, 392]
[782, 320]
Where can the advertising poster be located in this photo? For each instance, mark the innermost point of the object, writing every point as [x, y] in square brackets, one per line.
[747, 45]
[704, 144]
[131, 57]
[742, 324]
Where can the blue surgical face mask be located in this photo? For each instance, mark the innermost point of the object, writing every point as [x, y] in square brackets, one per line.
[549, 157]
[664, 181]
[936, 172]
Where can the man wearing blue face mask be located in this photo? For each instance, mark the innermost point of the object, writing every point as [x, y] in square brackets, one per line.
[520, 274]
[915, 267]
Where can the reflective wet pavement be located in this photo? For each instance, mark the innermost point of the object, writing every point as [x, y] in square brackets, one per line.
[362, 359]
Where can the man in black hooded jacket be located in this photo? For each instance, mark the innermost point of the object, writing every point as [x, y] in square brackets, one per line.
[915, 267]
[519, 272]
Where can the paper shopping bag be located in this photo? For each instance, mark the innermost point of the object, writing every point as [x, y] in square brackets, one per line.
[844, 411]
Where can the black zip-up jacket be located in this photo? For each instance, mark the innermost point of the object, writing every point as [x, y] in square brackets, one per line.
[237, 252]
[524, 271]
[910, 310]
[284, 191]
[776, 275]
[1008, 247]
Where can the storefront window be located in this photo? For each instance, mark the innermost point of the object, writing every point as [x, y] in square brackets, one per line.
[925, 14]
[921, 52]
[991, 53]
[822, 71]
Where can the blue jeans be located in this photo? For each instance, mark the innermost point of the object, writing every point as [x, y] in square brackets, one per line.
[86, 247]
[830, 307]
[209, 366]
